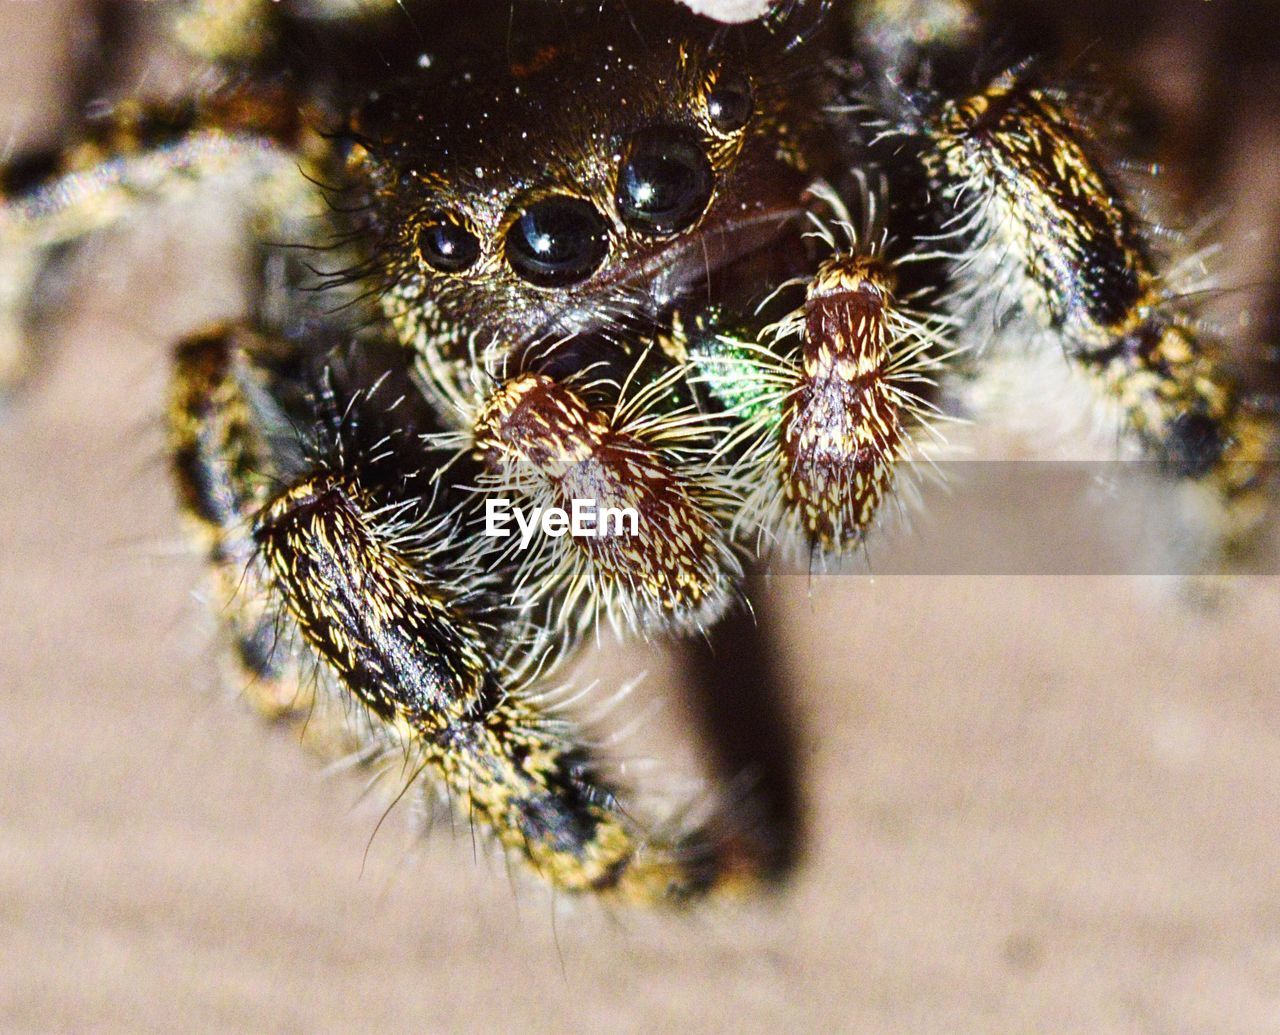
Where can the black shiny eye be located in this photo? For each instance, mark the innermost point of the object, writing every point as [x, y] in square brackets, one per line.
[729, 103]
[446, 246]
[665, 183]
[559, 240]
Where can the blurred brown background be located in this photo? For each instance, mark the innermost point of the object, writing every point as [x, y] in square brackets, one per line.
[1025, 804]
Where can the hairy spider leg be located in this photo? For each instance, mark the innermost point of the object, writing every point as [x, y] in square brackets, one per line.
[1049, 231]
[138, 153]
[545, 442]
[369, 592]
[220, 419]
[828, 402]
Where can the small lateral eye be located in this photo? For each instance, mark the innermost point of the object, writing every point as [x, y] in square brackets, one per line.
[445, 246]
[729, 103]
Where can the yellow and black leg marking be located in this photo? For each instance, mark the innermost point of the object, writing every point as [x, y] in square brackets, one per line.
[136, 154]
[1048, 232]
[410, 648]
[351, 608]
[224, 442]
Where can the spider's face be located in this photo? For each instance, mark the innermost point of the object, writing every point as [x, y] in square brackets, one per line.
[549, 192]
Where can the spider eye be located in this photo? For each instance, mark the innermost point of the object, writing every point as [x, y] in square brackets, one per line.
[729, 104]
[557, 241]
[665, 183]
[446, 246]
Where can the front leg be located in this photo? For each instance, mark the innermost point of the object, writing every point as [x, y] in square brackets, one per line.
[1048, 233]
[828, 406]
[337, 545]
[225, 446]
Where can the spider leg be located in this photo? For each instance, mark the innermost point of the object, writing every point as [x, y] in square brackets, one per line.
[1048, 233]
[220, 459]
[135, 154]
[414, 657]
[827, 403]
[659, 556]
[331, 546]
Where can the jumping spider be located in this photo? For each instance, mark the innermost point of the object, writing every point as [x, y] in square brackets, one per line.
[731, 278]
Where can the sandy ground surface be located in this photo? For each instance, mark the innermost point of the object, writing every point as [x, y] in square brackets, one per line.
[1028, 804]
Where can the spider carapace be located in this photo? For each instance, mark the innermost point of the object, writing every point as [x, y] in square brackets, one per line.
[732, 279]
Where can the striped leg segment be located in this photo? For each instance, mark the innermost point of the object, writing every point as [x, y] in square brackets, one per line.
[365, 589]
[222, 465]
[669, 562]
[380, 615]
[845, 422]
[829, 401]
[138, 154]
[1053, 235]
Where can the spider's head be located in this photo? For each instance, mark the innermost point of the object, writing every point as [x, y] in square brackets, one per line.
[590, 172]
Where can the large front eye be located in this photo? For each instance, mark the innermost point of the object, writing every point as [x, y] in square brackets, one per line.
[559, 240]
[665, 183]
[446, 246]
